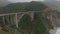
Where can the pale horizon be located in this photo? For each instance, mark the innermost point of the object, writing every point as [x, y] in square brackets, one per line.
[23, 0]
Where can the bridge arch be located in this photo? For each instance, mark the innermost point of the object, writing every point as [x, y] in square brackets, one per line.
[25, 22]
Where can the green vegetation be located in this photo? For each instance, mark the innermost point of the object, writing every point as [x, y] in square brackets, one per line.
[18, 7]
[36, 26]
[25, 24]
[40, 28]
[0, 33]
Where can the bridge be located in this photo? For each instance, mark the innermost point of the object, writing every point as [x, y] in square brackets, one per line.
[16, 17]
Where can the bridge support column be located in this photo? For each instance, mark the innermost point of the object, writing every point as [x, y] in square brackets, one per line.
[32, 16]
[8, 19]
[3, 24]
[16, 21]
[3, 19]
[11, 19]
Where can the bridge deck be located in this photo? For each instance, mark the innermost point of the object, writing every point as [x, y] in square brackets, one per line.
[17, 13]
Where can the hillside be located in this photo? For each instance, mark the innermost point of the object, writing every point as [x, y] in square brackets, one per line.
[17, 7]
[53, 4]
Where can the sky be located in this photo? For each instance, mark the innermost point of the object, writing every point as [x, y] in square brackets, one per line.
[4, 2]
[23, 0]
[14, 1]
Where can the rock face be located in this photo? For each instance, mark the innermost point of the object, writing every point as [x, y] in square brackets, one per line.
[54, 17]
[58, 31]
[52, 31]
[53, 3]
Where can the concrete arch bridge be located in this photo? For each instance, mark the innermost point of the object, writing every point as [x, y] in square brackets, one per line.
[14, 18]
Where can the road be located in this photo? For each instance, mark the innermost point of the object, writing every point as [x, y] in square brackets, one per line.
[17, 13]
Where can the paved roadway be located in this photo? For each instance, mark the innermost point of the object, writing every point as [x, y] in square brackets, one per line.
[17, 13]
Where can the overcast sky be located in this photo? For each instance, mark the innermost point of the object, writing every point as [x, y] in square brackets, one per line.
[24, 0]
[29, 0]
